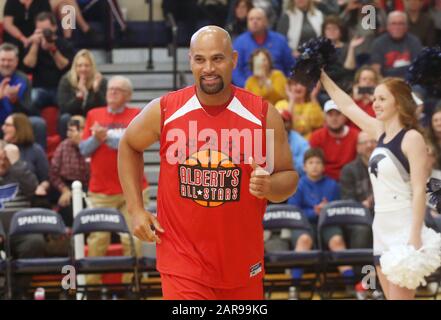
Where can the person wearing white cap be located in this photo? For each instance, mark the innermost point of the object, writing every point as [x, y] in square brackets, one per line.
[405, 250]
[337, 140]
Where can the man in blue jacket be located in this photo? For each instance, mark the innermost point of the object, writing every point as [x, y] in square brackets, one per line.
[15, 91]
[259, 36]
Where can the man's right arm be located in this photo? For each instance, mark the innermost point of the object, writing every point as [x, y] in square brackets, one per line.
[31, 58]
[142, 132]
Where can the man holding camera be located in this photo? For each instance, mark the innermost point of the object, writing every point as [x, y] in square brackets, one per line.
[48, 58]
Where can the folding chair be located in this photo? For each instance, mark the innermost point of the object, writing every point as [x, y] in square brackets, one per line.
[342, 213]
[34, 221]
[278, 218]
[105, 220]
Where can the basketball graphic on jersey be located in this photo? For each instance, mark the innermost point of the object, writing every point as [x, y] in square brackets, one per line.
[209, 178]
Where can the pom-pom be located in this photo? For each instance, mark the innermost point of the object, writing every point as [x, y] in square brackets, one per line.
[406, 267]
[315, 54]
[425, 70]
[434, 190]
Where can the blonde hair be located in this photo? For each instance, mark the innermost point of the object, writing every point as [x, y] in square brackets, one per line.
[73, 76]
[405, 103]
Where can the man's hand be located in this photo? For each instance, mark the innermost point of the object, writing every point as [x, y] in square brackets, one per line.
[368, 202]
[65, 198]
[36, 37]
[141, 226]
[99, 132]
[11, 92]
[3, 85]
[260, 181]
[318, 208]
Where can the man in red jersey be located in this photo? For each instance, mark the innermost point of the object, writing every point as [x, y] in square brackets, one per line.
[103, 130]
[211, 195]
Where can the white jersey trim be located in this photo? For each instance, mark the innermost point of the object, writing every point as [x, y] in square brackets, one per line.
[191, 105]
[235, 106]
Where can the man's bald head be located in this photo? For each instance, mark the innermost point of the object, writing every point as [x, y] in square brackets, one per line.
[257, 21]
[212, 60]
[211, 33]
[397, 24]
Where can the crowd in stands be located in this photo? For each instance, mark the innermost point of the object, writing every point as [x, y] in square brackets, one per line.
[41, 66]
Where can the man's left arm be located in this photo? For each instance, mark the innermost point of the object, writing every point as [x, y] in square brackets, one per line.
[282, 183]
[62, 55]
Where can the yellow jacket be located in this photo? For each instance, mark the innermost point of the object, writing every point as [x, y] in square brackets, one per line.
[306, 117]
[273, 93]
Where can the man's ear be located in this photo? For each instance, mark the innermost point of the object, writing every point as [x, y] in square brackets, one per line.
[235, 57]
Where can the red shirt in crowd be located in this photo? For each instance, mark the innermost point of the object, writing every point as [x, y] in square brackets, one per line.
[366, 107]
[338, 151]
[103, 167]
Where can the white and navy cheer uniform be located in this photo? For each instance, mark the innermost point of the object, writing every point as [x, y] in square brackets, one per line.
[389, 172]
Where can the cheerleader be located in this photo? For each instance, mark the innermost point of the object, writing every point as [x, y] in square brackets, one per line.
[405, 251]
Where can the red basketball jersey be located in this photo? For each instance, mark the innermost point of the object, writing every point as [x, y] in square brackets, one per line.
[213, 225]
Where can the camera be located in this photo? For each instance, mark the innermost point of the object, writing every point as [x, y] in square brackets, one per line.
[49, 35]
[366, 90]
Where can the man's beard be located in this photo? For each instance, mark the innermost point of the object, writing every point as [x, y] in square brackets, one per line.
[337, 130]
[212, 89]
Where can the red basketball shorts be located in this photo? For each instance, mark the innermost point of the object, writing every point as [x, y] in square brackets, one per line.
[177, 288]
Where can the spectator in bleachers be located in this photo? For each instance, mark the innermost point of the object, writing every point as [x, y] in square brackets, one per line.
[297, 143]
[337, 140]
[353, 17]
[266, 82]
[19, 21]
[393, 52]
[271, 8]
[48, 57]
[365, 80]
[433, 133]
[354, 179]
[342, 71]
[301, 22]
[96, 8]
[435, 13]
[239, 23]
[307, 115]
[81, 89]
[260, 36]
[67, 166]
[17, 129]
[15, 91]
[392, 5]
[14, 171]
[328, 7]
[102, 133]
[420, 22]
[315, 190]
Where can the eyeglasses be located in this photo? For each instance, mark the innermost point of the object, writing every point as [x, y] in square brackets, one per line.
[8, 124]
[116, 89]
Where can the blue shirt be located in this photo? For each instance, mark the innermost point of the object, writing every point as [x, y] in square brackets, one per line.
[275, 43]
[298, 146]
[311, 193]
[6, 106]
